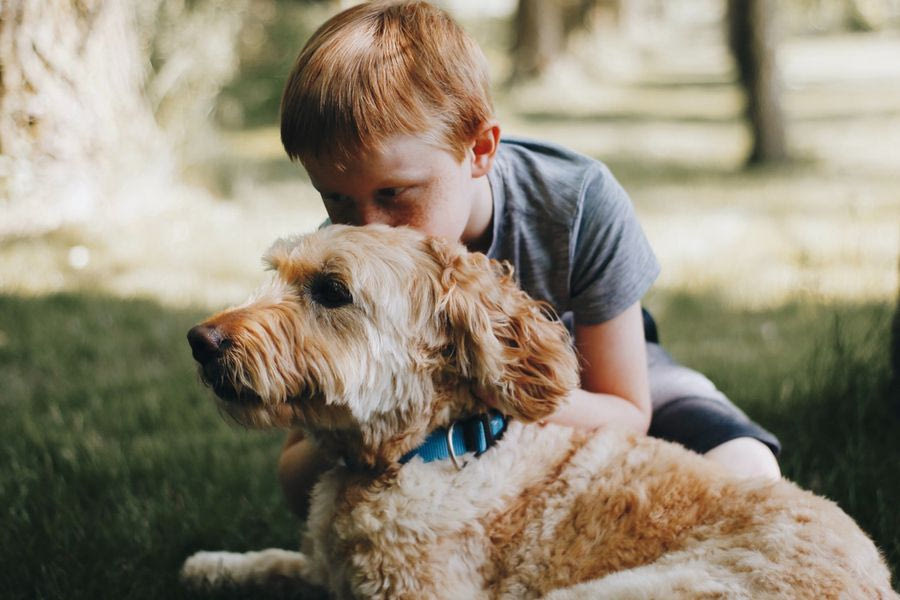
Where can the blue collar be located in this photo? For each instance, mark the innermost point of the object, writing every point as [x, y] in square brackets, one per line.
[474, 434]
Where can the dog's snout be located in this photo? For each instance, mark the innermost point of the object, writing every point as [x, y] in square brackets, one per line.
[206, 342]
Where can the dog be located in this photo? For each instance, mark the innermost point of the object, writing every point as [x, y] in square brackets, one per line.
[379, 342]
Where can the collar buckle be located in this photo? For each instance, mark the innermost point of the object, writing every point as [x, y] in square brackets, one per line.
[476, 434]
[452, 450]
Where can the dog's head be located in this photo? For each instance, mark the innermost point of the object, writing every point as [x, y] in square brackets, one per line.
[369, 337]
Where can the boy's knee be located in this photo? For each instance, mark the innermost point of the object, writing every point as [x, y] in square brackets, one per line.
[746, 457]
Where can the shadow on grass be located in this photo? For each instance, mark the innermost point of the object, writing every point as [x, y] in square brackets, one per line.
[116, 465]
[115, 462]
[818, 376]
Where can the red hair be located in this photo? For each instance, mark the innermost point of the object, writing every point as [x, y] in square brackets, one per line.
[380, 69]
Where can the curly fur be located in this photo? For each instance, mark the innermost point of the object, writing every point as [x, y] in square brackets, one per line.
[549, 511]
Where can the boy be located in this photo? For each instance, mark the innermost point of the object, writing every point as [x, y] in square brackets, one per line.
[388, 109]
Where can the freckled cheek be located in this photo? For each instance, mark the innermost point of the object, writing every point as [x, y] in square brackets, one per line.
[416, 217]
[428, 213]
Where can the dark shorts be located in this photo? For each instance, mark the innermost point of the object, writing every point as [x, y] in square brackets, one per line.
[687, 407]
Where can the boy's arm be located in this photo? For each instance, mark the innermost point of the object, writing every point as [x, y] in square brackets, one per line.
[299, 467]
[614, 385]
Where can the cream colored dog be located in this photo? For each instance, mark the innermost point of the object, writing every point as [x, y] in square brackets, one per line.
[371, 338]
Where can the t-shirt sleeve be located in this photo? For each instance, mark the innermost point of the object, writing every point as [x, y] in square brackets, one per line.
[613, 264]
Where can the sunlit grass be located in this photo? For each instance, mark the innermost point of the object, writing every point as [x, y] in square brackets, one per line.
[823, 227]
[204, 252]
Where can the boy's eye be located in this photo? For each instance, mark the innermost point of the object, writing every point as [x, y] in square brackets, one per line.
[330, 292]
[389, 193]
[335, 198]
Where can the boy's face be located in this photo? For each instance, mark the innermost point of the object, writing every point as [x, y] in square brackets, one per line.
[407, 182]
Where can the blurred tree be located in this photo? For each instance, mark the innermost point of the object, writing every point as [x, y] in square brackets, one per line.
[752, 40]
[72, 114]
[273, 33]
[86, 85]
[193, 52]
[841, 15]
[538, 39]
[866, 15]
[542, 29]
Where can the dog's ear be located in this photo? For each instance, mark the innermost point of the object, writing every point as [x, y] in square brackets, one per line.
[502, 339]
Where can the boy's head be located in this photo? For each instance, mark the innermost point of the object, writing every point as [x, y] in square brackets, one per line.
[379, 70]
[388, 109]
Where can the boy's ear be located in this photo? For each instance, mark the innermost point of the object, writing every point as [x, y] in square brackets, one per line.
[484, 148]
[499, 337]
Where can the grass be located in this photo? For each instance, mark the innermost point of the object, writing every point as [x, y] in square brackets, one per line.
[817, 375]
[116, 464]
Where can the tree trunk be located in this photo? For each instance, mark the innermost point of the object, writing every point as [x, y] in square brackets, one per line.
[98, 97]
[539, 37]
[73, 118]
[581, 14]
[753, 44]
[866, 15]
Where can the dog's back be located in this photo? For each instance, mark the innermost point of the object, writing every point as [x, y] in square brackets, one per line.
[614, 517]
[657, 521]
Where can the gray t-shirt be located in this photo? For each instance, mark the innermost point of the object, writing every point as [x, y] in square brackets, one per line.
[569, 230]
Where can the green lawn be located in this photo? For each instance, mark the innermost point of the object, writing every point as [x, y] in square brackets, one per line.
[116, 464]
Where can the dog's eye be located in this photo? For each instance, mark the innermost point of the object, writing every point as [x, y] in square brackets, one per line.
[330, 292]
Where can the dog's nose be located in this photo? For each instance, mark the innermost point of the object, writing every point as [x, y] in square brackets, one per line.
[205, 342]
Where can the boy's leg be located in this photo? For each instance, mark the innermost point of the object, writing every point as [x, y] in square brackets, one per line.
[299, 468]
[746, 457]
[688, 409]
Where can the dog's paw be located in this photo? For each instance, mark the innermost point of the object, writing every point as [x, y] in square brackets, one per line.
[264, 567]
[211, 569]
